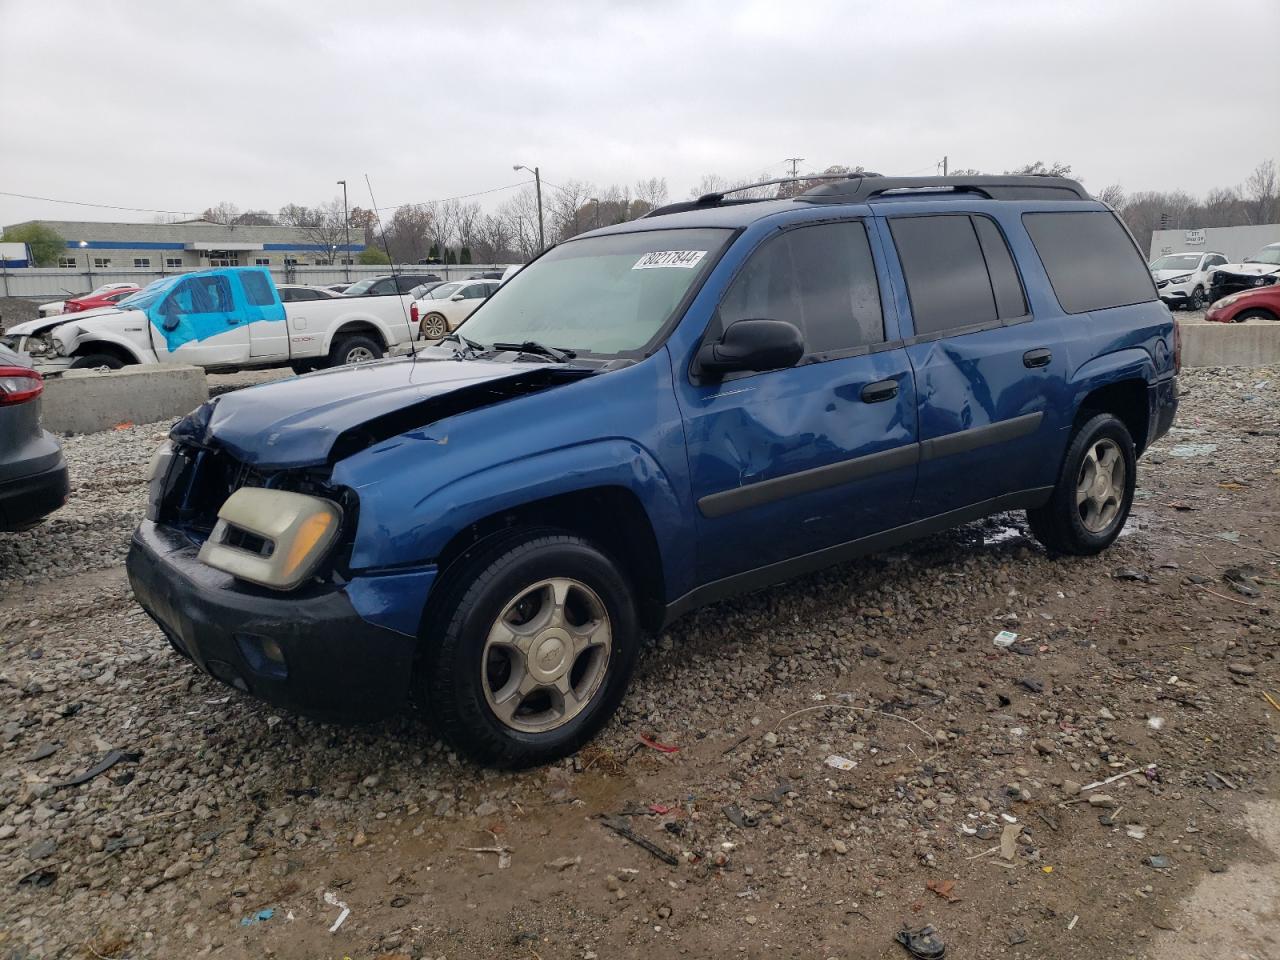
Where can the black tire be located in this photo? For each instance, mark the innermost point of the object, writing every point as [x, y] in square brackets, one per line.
[1059, 524]
[91, 361]
[1197, 299]
[477, 588]
[433, 327]
[302, 366]
[356, 348]
[1255, 315]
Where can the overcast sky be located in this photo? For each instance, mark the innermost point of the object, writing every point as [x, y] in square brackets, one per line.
[178, 106]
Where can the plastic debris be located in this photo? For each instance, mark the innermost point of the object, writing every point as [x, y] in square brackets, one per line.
[1136, 831]
[503, 851]
[332, 900]
[102, 766]
[39, 877]
[1155, 723]
[260, 917]
[659, 808]
[1074, 920]
[943, 889]
[739, 819]
[1005, 638]
[655, 745]
[1271, 700]
[1157, 862]
[923, 944]
[837, 762]
[1118, 776]
[623, 829]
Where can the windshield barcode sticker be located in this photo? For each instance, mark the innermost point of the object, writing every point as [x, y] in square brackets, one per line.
[670, 258]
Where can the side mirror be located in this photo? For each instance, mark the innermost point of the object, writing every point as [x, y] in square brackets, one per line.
[755, 345]
[457, 296]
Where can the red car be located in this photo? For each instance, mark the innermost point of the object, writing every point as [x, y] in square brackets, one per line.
[92, 301]
[1261, 304]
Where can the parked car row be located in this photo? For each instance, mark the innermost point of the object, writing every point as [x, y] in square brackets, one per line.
[1190, 280]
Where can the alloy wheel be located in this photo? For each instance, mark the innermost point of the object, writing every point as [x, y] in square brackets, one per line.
[1100, 485]
[360, 355]
[546, 655]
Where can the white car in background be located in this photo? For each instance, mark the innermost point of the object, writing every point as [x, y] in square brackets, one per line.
[54, 308]
[445, 306]
[1182, 279]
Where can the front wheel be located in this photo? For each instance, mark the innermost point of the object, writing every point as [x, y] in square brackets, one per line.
[94, 361]
[434, 326]
[1094, 493]
[1255, 315]
[1197, 299]
[529, 649]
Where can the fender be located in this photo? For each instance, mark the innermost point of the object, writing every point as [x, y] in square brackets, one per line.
[1130, 363]
[426, 525]
[385, 330]
[75, 335]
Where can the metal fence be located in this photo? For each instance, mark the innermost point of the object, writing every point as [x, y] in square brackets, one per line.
[52, 283]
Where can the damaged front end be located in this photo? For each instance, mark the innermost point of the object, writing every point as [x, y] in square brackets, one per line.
[1223, 283]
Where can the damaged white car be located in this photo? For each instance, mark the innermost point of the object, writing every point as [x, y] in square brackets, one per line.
[1260, 270]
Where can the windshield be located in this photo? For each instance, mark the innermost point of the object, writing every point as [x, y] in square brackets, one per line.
[1177, 261]
[1269, 254]
[443, 291]
[360, 286]
[144, 298]
[604, 296]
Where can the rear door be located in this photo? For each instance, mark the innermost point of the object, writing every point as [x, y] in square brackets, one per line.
[197, 322]
[265, 314]
[791, 461]
[990, 377]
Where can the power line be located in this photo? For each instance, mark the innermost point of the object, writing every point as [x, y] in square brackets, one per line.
[100, 206]
[461, 196]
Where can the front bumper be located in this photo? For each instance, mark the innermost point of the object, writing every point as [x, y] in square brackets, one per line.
[337, 664]
[25, 501]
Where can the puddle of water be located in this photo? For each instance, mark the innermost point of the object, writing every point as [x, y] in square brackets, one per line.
[1188, 450]
[1002, 535]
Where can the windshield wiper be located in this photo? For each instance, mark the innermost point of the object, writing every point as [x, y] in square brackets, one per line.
[540, 349]
[469, 347]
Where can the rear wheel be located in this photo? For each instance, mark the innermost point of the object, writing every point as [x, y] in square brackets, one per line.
[354, 349]
[1094, 493]
[92, 361]
[434, 326]
[529, 648]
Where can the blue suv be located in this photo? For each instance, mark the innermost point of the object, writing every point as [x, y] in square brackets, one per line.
[647, 418]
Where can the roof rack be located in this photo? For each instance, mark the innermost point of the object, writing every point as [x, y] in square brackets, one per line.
[718, 198]
[1034, 186]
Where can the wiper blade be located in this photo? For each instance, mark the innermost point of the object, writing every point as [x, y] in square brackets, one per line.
[469, 347]
[532, 346]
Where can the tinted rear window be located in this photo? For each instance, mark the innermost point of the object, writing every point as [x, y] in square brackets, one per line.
[257, 288]
[1090, 260]
[946, 273]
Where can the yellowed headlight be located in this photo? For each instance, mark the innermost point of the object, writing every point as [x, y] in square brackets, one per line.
[296, 532]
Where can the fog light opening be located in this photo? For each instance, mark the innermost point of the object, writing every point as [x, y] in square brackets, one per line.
[263, 655]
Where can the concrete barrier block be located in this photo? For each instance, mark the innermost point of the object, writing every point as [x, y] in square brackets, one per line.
[1230, 344]
[84, 401]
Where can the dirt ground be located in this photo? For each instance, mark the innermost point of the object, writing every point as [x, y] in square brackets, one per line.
[234, 831]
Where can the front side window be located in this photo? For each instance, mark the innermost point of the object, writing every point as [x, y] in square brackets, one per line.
[1091, 260]
[444, 291]
[821, 279]
[602, 296]
[201, 295]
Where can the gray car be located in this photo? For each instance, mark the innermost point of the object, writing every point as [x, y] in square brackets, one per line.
[33, 473]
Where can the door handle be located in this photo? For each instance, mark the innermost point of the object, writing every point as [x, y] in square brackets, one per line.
[1039, 357]
[880, 391]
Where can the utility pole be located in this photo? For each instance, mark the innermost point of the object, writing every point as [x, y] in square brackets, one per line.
[794, 161]
[346, 230]
[596, 201]
[944, 165]
[537, 179]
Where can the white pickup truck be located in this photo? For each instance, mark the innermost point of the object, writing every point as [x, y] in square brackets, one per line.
[218, 319]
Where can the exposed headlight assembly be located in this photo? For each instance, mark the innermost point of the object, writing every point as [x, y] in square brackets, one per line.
[273, 538]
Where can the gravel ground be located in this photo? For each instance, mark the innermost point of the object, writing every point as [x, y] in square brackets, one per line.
[968, 761]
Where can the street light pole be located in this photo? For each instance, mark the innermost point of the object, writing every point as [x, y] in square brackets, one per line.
[346, 230]
[88, 266]
[537, 179]
[596, 201]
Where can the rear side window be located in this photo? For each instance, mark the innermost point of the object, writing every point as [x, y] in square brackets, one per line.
[945, 271]
[257, 289]
[820, 278]
[1010, 301]
[1090, 259]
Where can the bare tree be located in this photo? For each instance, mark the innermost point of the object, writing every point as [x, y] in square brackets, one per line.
[1261, 190]
[493, 240]
[408, 233]
[224, 212]
[520, 214]
[321, 225]
[652, 192]
[1113, 194]
[254, 218]
[710, 183]
[569, 209]
[1055, 169]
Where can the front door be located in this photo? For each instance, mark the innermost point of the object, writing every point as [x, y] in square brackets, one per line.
[788, 462]
[989, 375]
[197, 323]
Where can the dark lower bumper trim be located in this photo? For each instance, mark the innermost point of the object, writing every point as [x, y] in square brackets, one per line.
[27, 500]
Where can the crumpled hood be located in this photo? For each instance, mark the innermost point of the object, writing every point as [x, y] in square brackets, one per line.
[295, 422]
[48, 323]
[1249, 269]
